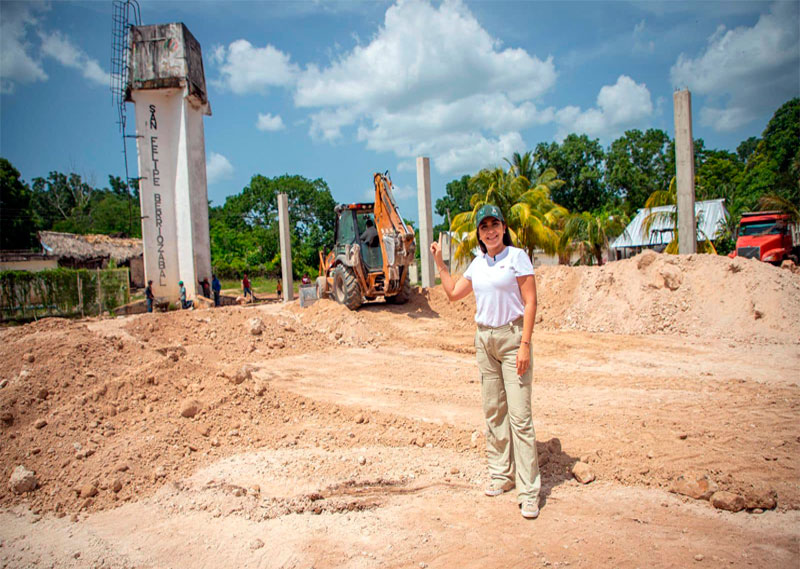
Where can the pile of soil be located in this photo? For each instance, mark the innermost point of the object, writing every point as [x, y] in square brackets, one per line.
[698, 295]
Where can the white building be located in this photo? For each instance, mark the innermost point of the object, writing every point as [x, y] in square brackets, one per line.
[711, 215]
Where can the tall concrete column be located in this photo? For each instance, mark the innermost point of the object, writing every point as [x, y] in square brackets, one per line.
[684, 172]
[425, 220]
[286, 248]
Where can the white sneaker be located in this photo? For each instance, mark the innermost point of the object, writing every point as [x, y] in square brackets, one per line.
[497, 487]
[530, 509]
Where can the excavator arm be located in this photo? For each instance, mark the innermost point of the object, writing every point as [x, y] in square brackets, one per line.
[396, 237]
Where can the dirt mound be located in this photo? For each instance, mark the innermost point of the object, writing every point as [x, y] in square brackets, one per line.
[699, 295]
[702, 295]
[338, 324]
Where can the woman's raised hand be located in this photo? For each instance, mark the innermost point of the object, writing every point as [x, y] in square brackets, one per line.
[436, 251]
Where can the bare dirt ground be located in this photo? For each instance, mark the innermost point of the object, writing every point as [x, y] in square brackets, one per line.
[282, 437]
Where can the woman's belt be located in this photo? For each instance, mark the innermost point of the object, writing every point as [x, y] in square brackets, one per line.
[517, 322]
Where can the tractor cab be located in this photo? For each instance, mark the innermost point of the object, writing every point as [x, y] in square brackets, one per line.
[355, 224]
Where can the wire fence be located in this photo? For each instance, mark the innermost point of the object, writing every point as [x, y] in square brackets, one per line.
[62, 292]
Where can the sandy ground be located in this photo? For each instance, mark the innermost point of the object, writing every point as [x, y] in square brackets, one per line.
[324, 438]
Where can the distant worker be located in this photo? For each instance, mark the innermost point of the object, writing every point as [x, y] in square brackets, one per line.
[279, 288]
[148, 293]
[306, 280]
[217, 288]
[206, 288]
[246, 287]
[370, 235]
[185, 304]
[505, 298]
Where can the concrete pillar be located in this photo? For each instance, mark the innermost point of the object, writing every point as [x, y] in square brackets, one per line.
[286, 248]
[167, 87]
[684, 172]
[425, 221]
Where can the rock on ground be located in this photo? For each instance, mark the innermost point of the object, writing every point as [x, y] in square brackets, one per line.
[22, 480]
[698, 488]
[727, 501]
[582, 472]
[190, 407]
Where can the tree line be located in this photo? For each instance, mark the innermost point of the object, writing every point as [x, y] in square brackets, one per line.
[576, 195]
[243, 231]
[565, 197]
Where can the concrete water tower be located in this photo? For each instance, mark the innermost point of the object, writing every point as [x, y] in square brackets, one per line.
[167, 85]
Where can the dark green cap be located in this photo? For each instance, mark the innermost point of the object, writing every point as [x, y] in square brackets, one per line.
[488, 210]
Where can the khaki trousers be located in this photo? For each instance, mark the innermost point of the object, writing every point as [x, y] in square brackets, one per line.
[510, 438]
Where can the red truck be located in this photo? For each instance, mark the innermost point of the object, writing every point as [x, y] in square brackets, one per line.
[767, 236]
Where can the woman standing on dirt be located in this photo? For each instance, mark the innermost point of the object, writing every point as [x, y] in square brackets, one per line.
[505, 297]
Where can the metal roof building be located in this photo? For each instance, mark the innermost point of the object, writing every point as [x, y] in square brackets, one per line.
[711, 214]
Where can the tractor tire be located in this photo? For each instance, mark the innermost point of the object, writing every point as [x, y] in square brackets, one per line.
[345, 287]
[322, 287]
[403, 296]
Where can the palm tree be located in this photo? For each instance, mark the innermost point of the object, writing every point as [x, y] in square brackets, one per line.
[522, 165]
[530, 214]
[775, 202]
[670, 198]
[590, 233]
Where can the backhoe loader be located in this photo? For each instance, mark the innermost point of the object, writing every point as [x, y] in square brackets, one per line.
[373, 248]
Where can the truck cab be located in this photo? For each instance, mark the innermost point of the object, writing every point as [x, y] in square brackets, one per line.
[766, 236]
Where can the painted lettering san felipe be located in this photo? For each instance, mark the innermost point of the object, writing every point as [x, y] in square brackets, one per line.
[162, 262]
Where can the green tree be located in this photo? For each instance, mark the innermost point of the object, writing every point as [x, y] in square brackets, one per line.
[746, 148]
[17, 228]
[579, 161]
[717, 170]
[455, 200]
[113, 214]
[774, 165]
[62, 202]
[638, 164]
[245, 234]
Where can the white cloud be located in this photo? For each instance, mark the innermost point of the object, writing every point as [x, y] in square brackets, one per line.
[59, 47]
[218, 168]
[619, 106]
[745, 71]
[641, 39]
[17, 65]
[245, 68]
[269, 122]
[433, 82]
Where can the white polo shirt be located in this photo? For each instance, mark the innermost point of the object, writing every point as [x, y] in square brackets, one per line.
[494, 282]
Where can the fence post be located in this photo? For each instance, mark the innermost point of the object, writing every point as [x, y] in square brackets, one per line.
[80, 293]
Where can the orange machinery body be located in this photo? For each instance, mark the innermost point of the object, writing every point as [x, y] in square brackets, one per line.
[396, 240]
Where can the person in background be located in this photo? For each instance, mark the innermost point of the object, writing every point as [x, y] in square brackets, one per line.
[370, 234]
[148, 293]
[246, 287]
[217, 288]
[279, 288]
[505, 298]
[185, 304]
[206, 288]
[306, 280]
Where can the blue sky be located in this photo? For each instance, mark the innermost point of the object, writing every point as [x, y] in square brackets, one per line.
[340, 90]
